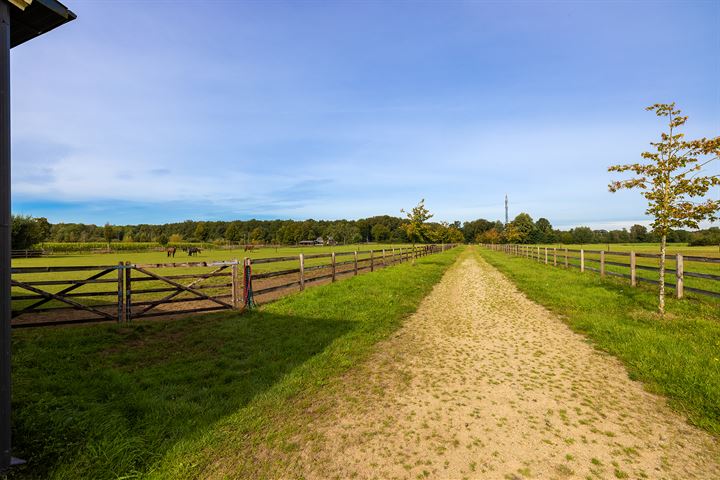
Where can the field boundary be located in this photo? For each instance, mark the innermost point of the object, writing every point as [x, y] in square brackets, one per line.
[129, 291]
[561, 257]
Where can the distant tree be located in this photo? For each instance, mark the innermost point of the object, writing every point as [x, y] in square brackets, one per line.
[201, 231]
[638, 233]
[163, 240]
[544, 231]
[455, 235]
[671, 180]
[258, 235]
[489, 236]
[380, 232]
[233, 232]
[108, 234]
[25, 232]
[44, 228]
[522, 230]
[582, 235]
[415, 229]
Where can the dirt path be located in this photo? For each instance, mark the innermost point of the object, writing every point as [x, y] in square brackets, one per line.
[483, 383]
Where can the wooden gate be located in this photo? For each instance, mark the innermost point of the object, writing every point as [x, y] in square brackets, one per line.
[200, 291]
[83, 294]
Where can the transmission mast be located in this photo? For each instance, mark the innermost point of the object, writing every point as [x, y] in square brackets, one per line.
[506, 210]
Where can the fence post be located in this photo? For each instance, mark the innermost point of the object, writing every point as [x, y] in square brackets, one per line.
[121, 272]
[554, 256]
[602, 263]
[567, 265]
[679, 274]
[538, 254]
[356, 269]
[372, 261]
[633, 270]
[235, 290]
[546, 256]
[302, 272]
[247, 262]
[128, 291]
[333, 266]
[582, 260]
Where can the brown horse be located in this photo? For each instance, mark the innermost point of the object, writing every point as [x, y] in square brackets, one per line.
[171, 251]
[193, 251]
[249, 247]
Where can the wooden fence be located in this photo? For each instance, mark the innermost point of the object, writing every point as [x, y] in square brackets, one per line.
[61, 295]
[26, 253]
[611, 264]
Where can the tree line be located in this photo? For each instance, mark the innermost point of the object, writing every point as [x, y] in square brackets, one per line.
[28, 232]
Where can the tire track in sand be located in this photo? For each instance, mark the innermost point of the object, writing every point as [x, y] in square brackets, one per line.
[483, 383]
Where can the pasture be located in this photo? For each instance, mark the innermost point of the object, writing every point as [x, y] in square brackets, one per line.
[646, 266]
[101, 293]
[672, 248]
[164, 398]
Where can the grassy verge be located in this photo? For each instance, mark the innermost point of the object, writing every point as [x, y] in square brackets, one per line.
[168, 399]
[678, 356]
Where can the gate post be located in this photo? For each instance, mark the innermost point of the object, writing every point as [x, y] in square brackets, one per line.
[235, 285]
[372, 261]
[333, 266]
[302, 272]
[356, 268]
[120, 276]
[128, 291]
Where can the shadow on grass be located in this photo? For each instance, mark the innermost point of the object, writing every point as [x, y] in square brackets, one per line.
[108, 401]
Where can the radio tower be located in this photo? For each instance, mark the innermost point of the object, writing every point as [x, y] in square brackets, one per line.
[506, 210]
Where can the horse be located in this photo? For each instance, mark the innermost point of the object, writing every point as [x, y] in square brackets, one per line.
[193, 251]
[249, 247]
[171, 251]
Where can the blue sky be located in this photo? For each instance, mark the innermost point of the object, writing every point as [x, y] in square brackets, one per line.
[159, 111]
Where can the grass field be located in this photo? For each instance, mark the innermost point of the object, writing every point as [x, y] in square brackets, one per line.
[593, 259]
[166, 398]
[677, 356]
[110, 259]
[672, 248]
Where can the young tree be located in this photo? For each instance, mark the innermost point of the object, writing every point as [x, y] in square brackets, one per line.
[671, 180]
[416, 228]
[108, 234]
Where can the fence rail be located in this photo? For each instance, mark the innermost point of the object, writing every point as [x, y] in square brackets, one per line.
[571, 258]
[128, 291]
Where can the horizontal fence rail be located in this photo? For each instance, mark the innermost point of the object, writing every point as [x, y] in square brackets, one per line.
[628, 265]
[59, 295]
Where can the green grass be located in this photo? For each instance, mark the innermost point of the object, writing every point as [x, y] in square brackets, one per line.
[672, 248]
[677, 356]
[168, 398]
[593, 260]
[109, 259]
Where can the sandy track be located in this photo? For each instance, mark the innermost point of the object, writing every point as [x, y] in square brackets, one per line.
[483, 383]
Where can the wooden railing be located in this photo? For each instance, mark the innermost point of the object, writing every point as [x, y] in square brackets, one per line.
[84, 294]
[606, 263]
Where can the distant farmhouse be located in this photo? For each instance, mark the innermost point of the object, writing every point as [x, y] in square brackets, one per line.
[319, 241]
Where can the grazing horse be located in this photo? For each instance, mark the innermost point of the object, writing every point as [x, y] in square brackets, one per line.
[171, 251]
[249, 247]
[193, 251]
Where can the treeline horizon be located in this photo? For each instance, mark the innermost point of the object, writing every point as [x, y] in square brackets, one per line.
[29, 231]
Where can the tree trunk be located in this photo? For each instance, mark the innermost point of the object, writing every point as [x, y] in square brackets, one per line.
[661, 305]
